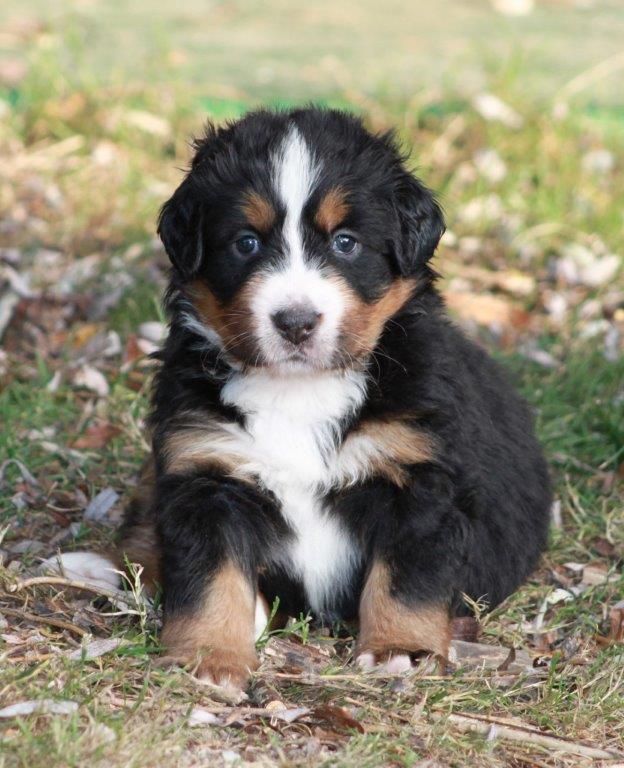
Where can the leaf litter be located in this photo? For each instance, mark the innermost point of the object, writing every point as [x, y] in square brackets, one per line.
[67, 287]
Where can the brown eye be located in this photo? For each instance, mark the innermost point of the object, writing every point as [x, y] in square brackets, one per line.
[344, 244]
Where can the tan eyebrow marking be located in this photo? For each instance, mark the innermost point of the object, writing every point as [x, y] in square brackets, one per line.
[259, 211]
[332, 209]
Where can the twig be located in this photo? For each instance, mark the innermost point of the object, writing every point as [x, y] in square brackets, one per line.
[113, 595]
[499, 728]
[50, 620]
[34, 659]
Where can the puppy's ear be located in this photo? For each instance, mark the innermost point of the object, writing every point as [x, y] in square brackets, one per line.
[180, 220]
[420, 223]
[179, 228]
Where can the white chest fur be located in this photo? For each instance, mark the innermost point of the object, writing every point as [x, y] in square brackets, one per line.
[289, 442]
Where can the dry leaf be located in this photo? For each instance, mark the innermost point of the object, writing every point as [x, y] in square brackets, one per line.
[200, 716]
[97, 435]
[595, 574]
[484, 309]
[40, 707]
[92, 379]
[338, 717]
[95, 648]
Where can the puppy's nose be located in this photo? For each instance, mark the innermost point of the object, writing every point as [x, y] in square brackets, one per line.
[296, 324]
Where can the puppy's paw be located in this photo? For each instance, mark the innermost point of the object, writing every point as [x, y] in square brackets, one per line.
[387, 664]
[226, 670]
[222, 669]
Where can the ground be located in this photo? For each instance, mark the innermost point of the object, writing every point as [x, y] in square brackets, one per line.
[517, 122]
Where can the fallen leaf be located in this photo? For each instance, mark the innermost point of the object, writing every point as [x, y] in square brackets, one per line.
[100, 505]
[595, 574]
[338, 717]
[83, 333]
[92, 379]
[200, 716]
[95, 648]
[97, 435]
[40, 707]
[487, 310]
[604, 547]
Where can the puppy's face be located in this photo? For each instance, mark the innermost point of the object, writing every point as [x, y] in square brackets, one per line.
[296, 237]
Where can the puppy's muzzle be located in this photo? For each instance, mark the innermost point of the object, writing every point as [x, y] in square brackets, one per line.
[296, 324]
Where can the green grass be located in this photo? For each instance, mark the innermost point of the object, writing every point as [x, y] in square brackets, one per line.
[89, 69]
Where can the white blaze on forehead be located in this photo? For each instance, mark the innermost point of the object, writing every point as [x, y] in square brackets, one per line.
[296, 280]
[296, 172]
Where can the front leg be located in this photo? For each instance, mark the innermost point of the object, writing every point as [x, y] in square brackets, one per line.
[418, 556]
[214, 532]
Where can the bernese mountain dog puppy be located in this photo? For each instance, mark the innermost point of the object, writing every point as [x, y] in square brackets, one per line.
[322, 433]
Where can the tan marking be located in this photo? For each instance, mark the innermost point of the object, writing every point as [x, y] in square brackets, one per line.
[232, 321]
[364, 323]
[198, 441]
[380, 448]
[217, 636]
[387, 625]
[332, 210]
[140, 544]
[259, 212]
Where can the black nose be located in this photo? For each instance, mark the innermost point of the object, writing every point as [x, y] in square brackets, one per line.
[296, 324]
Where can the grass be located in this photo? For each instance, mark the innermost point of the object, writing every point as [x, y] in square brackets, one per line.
[91, 142]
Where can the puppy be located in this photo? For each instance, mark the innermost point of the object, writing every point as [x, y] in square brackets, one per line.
[322, 433]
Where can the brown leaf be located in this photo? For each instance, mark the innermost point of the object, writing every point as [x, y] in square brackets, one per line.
[604, 547]
[488, 310]
[338, 717]
[83, 333]
[595, 574]
[132, 352]
[97, 435]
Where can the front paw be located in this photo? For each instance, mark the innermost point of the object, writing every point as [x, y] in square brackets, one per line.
[387, 663]
[226, 669]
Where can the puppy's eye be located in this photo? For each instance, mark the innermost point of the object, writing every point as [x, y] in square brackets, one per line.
[344, 244]
[247, 245]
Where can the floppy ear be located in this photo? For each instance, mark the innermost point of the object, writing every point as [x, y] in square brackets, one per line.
[180, 231]
[180, 220]
[420, 223]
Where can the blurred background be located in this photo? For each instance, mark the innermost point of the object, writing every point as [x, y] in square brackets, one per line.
[514, 111]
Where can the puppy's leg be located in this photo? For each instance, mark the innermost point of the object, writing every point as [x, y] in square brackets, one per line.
[216, 633]
[392, 625]
[413, 578]
[213, 533]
